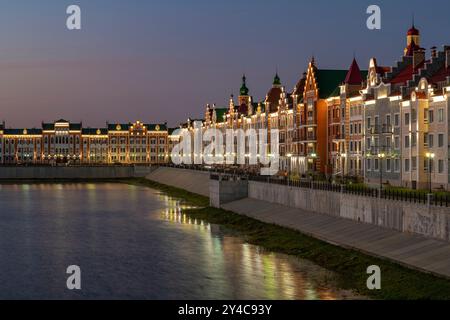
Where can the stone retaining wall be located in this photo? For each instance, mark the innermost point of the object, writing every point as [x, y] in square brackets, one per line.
[430, 221]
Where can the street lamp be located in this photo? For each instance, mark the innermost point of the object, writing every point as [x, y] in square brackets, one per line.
[430, 156]
[381, 156]
[343, 165]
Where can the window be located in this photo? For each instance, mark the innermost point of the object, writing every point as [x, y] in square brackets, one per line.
[388, 142]
[388, 120]
[396, 119]
[406, 141]
[406, 119]
[431, 116]
[397, 165]
[440, 140]
[414, 163]
[413, 140]
[368, 143]
[406, 165]
[368, 164]
[376, 165]
[388, 165]
[430, 141]
[397, 142]
[441, 166]
[441, 115]
[369, 124]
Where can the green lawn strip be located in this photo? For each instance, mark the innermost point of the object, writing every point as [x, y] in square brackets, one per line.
[398, 282]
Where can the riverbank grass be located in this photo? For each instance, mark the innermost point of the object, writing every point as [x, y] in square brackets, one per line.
[398, 282]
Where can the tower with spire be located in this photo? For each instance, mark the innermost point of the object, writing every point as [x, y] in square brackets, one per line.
[244, 100]
[412, 40]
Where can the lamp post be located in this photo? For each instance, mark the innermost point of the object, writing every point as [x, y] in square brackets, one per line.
[313, 157]
[343, 166]
[430, 156]
[381, 156]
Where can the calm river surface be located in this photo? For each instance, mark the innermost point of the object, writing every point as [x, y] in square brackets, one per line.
[135, 243]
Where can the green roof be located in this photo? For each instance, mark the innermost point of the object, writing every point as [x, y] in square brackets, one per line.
[220, 114]
[328, 81]
[244, 90]
[276, 80]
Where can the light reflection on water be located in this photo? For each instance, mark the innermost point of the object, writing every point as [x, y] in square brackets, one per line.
[274, 276]
[136, 243]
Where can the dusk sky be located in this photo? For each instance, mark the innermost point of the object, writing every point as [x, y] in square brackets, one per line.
[159, 61]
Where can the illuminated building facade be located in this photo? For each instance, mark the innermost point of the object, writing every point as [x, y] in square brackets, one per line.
[386, 125]
[71, 143]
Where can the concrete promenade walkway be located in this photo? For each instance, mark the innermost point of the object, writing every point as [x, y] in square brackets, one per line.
[411, 250]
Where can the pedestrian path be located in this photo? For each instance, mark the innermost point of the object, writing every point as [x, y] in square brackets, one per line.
[415, 251]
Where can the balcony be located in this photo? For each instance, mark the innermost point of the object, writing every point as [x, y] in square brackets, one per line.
[338, 136]
[308, 137]
[379, 129]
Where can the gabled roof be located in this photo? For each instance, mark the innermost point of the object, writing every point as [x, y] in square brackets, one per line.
[406, 74]
[299, 88]
[354, 76]
[441, 75]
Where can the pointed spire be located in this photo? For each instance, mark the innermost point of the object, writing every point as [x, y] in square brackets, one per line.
[244, 90]
[413, 31]
[231, 105]
[276, 80]
[354, 74]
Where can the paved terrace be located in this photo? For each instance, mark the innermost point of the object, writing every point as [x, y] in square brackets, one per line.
[414, 251]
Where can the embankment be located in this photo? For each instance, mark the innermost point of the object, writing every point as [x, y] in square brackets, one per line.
[190, 180]
[72, 173]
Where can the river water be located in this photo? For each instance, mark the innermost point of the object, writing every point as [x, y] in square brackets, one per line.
[135, 243]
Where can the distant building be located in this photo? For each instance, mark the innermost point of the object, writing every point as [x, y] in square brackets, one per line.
[71, 143]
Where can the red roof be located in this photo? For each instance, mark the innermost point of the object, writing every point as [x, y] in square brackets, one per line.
[273, 96]
[441, 75]
[413, 31]
[354, 74]
[406, 74]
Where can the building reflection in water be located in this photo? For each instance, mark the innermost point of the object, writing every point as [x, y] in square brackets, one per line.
[252, 271]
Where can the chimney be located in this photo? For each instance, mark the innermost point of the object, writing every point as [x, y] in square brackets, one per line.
[447, 56]
[433, 52]
[418, 57]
